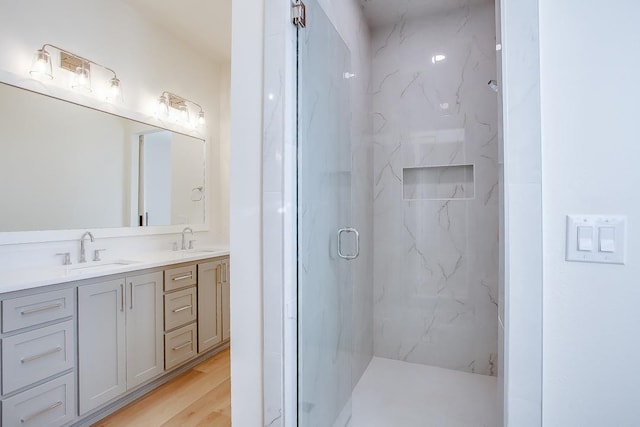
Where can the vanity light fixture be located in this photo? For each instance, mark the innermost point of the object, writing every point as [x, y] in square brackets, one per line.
[41, 67]
[176, 108]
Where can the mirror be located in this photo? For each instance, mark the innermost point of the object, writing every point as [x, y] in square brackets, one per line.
[64, 166]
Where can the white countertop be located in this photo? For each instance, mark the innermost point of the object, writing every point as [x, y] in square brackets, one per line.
[17, 280]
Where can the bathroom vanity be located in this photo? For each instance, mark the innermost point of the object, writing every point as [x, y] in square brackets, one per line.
[80, 342]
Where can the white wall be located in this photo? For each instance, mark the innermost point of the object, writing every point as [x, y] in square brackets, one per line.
[148, 61]
[521, 299]
[246, 205]
[278, 143]
[590, 88]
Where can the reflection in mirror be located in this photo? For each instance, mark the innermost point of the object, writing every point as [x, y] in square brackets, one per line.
[65, 166]
[167, 176]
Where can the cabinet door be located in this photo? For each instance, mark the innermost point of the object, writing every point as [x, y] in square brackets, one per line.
[145, 358]
[101, 343]
[209, 305]
[226, 300]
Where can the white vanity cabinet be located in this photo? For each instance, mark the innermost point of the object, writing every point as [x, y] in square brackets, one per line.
[120, 337]
[209, 305]
[74, 350]
[213, 303]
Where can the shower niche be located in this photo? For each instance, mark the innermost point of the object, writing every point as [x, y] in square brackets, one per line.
[448, 182]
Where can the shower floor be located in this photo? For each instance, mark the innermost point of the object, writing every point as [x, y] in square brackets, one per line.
[393, 393]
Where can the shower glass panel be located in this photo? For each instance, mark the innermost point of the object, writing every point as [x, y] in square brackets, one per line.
[324, 208]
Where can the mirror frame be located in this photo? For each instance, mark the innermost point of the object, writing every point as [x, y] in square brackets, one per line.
[67, 95]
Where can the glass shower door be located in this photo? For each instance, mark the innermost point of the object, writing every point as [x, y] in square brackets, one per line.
[325, 243]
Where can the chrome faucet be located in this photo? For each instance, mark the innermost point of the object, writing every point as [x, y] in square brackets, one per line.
[83, 256]
[184, 242]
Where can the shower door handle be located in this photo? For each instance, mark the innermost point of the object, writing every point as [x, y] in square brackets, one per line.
[357, 251]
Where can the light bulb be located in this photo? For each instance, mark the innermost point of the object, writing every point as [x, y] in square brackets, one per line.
[201, 120]
[183, 114]
[41, 65]
[114, 93]
[163, 106]
[82, 78]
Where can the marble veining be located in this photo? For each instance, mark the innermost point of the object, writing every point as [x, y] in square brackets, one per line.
[436, 261]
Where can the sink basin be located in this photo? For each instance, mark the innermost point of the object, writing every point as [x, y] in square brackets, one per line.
[99, 266]
[201, 251]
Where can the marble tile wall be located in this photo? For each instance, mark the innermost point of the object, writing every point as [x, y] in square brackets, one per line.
[436, 260]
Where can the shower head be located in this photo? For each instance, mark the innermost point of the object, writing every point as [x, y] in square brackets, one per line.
[493, 85]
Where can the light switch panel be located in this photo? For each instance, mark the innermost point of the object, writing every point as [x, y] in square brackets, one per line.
[596, 238]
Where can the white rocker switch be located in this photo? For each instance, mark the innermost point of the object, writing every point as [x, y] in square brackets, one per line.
[596, 238]
[585, 238]
[607, 236]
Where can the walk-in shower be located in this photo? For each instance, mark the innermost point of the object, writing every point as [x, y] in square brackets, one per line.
[397, 160]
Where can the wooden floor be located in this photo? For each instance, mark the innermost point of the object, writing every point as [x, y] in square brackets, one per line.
[199, 397]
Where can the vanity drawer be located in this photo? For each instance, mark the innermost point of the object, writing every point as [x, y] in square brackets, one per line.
[36, 355]
[180, 346]
[180, 277]
[180, 308]
[50, 404]
[18, 313]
